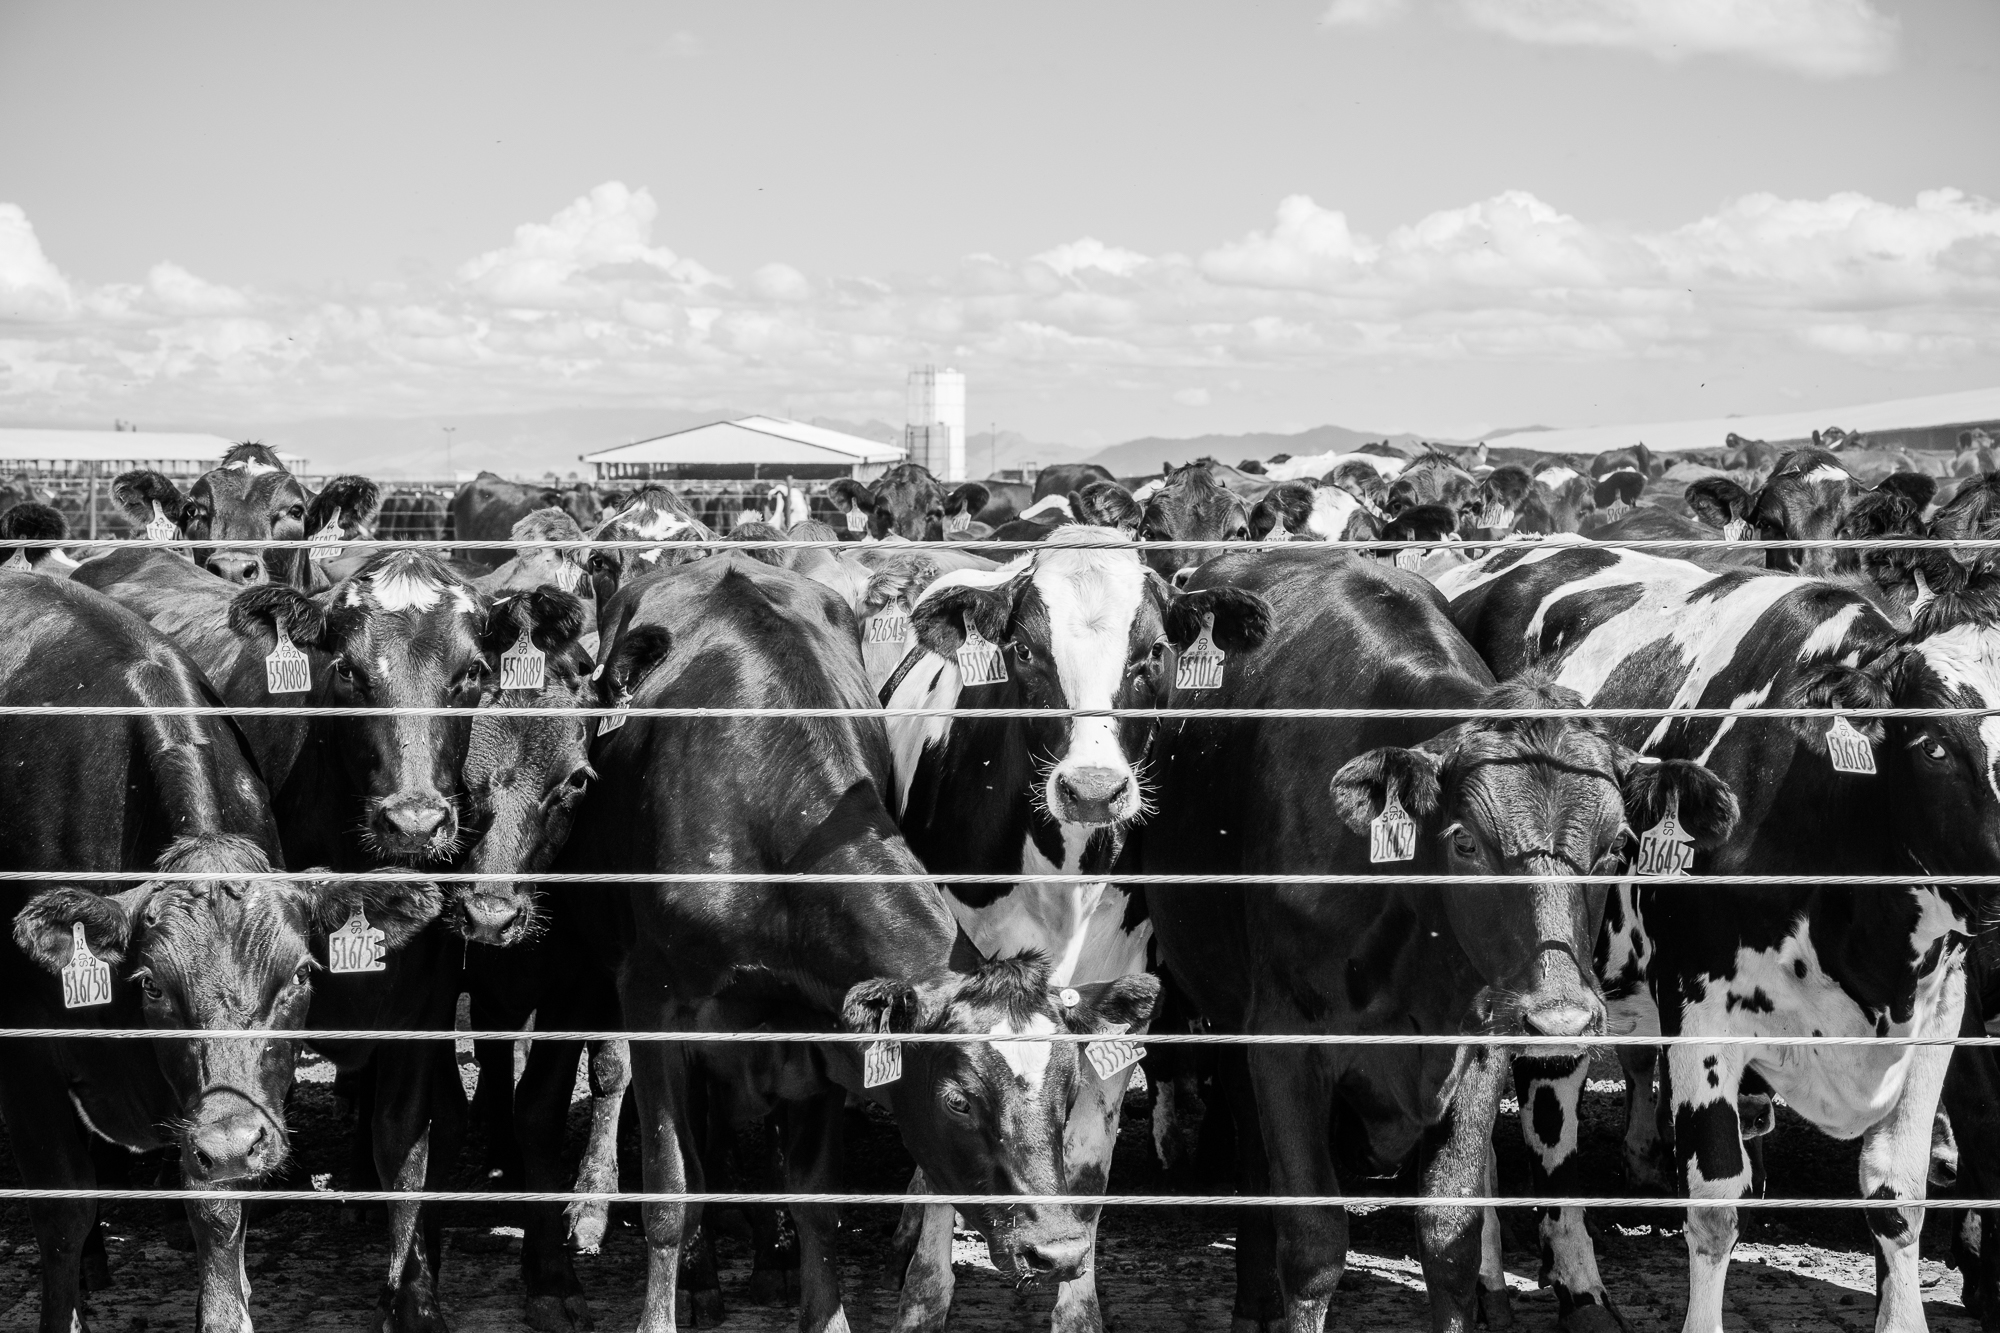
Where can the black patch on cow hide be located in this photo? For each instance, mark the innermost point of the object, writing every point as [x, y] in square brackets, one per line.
[1711, 1137]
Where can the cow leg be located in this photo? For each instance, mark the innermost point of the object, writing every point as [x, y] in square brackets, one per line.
[1496, 1303]
[1089, 1140]
[923, 1245]
[491, 991]
[1260, 1302]
[1550, 1091]
[597, 1173]
[419, 1108]
[51, 1153]
[1645, 1149]
[220, 1226]
[1294, 1089]
[774, 1242]
[1896, 1158]
[554, 1297]
[812, 1166]
[698, 1289]
[1448, 1236]
[1708, 1152]
[660, 1077]
[357, 1089]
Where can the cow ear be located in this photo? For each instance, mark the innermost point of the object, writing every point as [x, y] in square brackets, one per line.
[137, 493]
[853, 492]
[1836, 685]
[351, 502]
[968, 498]
[1242, 618]
[1109, 505]
[257, 614]
[1123, 1005]
[637, 652]
[1705, 805]
[552, 618]
[1360, 787]
[1717, 501]
[902, 579]
[940, 617]
[397, 903]
[881, 1005]
[44, 929]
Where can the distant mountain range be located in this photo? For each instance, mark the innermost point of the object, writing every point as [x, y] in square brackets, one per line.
[1143, 457]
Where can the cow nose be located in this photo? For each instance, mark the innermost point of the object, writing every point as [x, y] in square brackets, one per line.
[488, 916]
[236, 566]
[1182, 575]
[1089, 794]
[1559, 1020]
[229, 1147]
[1060, 1259]
[418, 818]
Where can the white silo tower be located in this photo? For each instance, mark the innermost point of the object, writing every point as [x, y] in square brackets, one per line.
[934, 432]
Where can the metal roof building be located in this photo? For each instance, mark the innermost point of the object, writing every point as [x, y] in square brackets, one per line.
[768, 448]
[106, 453]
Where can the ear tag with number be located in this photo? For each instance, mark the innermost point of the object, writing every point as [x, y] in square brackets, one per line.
[1666, 848]
[286, 669]
[86, 978]
[160, 528]
[18, 560]
[1500, 520]
[1849, 749]
[979, 660]
[1200, 667]
[889, 625]
[1734, 529]
[607, 725]
[1410, 558]
[960, 522]
[1392, 835]
[1108, 1057]
[856, 521]
[524, 666]
[326, 541]
[356, 947]
[881, 1062]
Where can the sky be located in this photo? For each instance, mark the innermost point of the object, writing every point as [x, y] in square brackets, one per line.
[1117, 219]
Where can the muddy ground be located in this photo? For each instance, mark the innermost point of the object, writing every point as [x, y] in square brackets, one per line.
[1160, 1269]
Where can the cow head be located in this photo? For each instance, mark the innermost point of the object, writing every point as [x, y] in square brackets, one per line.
[401, 630]
[987, 1117]
[219, 953]
[525, 776]
[652, 513]
[561, 567]
[1082, 624]
[906, 501]
[1313, 512]
[1618, 476]
[1541, 797]
[1805, 497]
[1434, 479]
[1189, 504]
[32, 534]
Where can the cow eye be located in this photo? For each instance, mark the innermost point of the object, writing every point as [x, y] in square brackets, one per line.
[956, 1102]
[1463, 843]
[296, 511]
[150, 987]
[302, 974]
[1932, 747]
[343, 669]
[1023, 653]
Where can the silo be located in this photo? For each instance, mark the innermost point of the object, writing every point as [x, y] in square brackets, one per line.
[935, 429]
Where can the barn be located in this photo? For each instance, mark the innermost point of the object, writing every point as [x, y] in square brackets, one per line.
[747, 449]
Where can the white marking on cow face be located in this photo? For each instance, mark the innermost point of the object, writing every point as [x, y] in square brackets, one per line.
[1829, 634]
[1333, 509]
[1967, 657]
[1556, 478]
[250, 467]
[1049, 504]
[1092, 594]
[1827, 472]
[1029, 1060]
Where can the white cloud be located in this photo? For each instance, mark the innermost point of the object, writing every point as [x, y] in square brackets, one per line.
[1090, 253]
[1828, 38]
[581, 255]
[1192, 397]
[1362, 13]
[31, 287]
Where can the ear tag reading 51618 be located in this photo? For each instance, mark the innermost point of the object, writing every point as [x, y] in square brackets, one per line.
[356, 947]
[889, 625]
[286, 670]
[160, 528]
[881, 1062]
[1666, 848]
[524, 666]
[1392, 835]
[326, 541]
[86, 978]
[1200, 667]
[1849, 749]
[979, 660]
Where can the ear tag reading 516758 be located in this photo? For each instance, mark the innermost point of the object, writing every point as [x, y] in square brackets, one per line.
[286, 670]
[1849, 749]
[160, 528]
[1200, 667]
[881, 1062]
[86, 978]
[1392, 835]
[524, 666]
[979, 659]
[1666, 848]
[356, 947]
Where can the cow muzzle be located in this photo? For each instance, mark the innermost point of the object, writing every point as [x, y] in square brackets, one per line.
[230, 1138]
[236, 566]
[1558, 1002]
[495, 914]
[416, 826]
[1049, 1245]
[1093, 794]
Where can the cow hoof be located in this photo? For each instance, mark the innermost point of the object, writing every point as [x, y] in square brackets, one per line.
[1591, 1319]
[587, 1228]
[774, 1286]
[1496, 1308]
[553, 1314]
[1245, 1324]
[698, 1309]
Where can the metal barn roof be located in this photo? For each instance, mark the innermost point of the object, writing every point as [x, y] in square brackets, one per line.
[1667, 437]
[62, 450]
[770, 441]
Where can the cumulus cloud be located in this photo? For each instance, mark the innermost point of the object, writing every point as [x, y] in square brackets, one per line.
[594, 303]
[1362, 13]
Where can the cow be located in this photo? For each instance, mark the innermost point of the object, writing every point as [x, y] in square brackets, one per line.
[1311, 511]
[1971, 1096]
[170, 793]
[651, 513]
[1975, 454]
[1190, 505]
[880, 583]
[1812, 495]
[1630, 630]
[991, 502]
[906, 501]
[21, 490]
[794, 795]
[31, 537]
[1062, 478]
[250, 496]
[1433, 479]
[412, 517]
[1510, 499]
[485, 510]
[1619, 476]
[1546, 799]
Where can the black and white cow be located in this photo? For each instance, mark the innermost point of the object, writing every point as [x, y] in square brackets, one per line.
[1313, 511]
[1812, 495]
[1546, 799]
[1080, 623]
[1189, 504]
[1630, 630]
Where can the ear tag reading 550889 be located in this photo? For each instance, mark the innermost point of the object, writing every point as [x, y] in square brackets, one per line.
[286, 670]
[524, 666]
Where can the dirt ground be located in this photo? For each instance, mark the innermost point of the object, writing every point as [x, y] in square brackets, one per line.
[1160, 1269]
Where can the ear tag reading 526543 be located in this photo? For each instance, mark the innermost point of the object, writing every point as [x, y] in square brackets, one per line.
[889, 625]
[160, 528]
[524, 666]
[1849, 749]
[979, 659]
[1392, 835]
[881, 1062]
[356, 947]
[1666, 848]
[1200, 667]
[286, 670]
[86, 978]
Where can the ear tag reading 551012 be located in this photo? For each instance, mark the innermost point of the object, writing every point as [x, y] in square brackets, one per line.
[1200, 667]
[86, 978]
[1392, 835]
[286, 670]
[356, 947]
[979, 659]
[881, 1062]
[1849, 749]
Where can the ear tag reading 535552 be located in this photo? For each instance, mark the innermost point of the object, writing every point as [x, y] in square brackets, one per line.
[856, 520]
[881, 1062]
[356, 947]
[979, 660]
[889, 625]
[524, 666]
[1108, 1057]
[86, 978]
[1200, 667]
[1666, 848]
[326, 542]
[1392, 835]
[1849, 749]
[160, 528]
[286, 670]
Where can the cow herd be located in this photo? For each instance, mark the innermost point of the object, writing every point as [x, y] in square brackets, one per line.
[1455, 852]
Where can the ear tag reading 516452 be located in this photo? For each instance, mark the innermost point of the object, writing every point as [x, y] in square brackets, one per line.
[1392, 835]
[979, 659]
[356, 947]
[524, 666]
[286, 670]
[160, 528]
[86, 978]
[1200, 667]
[1666, 848]
[881, 1062]
[1849, 749]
